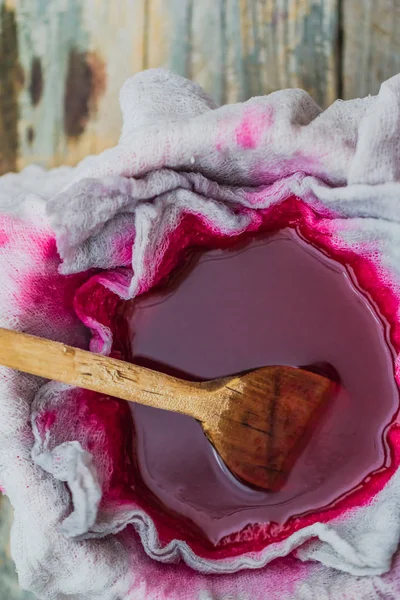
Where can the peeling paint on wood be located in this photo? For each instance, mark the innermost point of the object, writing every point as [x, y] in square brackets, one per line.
[30, 135]
[36, 83]
[47, 30]
[11, 81]
[106, 39]
[78, 87]
[85, 83]
[241, 48]
[290, 44]
[9, 588]
[77, 53]
[371, 45]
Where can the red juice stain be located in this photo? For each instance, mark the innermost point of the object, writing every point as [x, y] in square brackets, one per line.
[45, 421]
[4, 239]
[274, 299]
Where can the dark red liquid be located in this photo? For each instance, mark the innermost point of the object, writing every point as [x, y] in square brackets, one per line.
[275, 300]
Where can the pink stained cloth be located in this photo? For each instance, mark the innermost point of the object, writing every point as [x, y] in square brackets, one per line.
[75, 241]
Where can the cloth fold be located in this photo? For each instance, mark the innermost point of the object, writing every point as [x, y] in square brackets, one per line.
[74, 242]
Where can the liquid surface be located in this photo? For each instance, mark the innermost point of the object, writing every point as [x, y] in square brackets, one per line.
[276, 300]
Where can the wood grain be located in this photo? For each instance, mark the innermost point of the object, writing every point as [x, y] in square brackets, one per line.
[80, 368]
[254, 420]
[266, 422]
[106, 41]
[65, 62]
[11, 82]
[241, 48]
[85, 49]
[9, 588]
[371, 51]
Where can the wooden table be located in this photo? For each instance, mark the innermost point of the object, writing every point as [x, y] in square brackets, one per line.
[62, 63]
[9, 588]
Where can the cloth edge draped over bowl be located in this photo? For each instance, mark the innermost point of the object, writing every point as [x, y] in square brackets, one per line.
[178, 154]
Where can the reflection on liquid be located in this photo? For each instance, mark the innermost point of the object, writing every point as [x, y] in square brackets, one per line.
[276, 300]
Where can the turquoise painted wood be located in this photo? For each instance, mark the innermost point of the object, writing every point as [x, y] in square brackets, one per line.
[9, 588]
[62, 63]
[371, 52]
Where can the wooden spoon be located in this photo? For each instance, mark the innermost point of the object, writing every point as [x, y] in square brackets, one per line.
[255, 420]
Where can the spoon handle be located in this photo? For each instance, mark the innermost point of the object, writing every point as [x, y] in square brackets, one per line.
[54, 360]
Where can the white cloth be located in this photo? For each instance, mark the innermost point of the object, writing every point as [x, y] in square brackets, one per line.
[179, 153]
